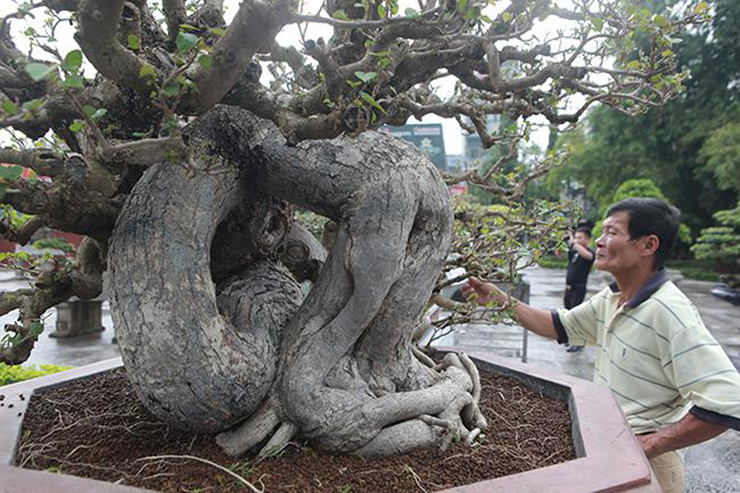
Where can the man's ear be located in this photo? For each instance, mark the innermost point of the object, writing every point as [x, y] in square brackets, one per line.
[650, 245]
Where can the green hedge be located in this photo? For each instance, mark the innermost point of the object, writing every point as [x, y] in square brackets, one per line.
[17, 373]
[553, 262]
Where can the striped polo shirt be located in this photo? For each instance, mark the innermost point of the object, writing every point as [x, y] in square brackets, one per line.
[656, 355]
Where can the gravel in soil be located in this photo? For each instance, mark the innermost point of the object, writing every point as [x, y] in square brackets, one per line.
[97, 428]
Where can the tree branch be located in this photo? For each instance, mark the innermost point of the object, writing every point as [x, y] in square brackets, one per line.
[20, 234]
[97, 36]
[174, 12]
[255, 24]
[54, 284]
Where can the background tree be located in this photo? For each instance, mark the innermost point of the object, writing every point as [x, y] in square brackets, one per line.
[182, 167]
[684, 147]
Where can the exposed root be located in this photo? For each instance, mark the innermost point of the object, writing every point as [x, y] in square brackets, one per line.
[472, 436]
[279, 440]
[472, 416]
[422, 357]
[470, 367]
[243, 437]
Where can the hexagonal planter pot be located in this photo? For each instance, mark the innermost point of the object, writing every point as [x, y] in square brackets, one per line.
[609, 456]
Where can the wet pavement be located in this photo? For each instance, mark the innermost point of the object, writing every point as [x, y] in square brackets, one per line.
[712, 467]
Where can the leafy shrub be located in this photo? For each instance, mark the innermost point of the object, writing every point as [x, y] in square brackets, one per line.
[17, 373]
[721, 243]
[553, 262]
[54, 243]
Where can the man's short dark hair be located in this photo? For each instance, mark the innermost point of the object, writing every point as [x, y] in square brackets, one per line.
[585, 230]
[649, 216]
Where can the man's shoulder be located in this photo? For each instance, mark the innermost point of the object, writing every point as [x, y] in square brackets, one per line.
[671, 305]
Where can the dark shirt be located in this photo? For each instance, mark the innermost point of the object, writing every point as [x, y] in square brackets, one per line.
[578, 268]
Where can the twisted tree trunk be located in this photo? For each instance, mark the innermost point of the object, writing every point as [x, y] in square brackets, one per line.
[340, 370]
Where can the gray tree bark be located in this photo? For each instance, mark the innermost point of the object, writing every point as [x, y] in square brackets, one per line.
[339, 370]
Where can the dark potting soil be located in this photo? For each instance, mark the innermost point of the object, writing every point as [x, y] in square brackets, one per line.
[97, 428]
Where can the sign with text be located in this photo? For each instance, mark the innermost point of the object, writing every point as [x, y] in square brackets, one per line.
[428, 137]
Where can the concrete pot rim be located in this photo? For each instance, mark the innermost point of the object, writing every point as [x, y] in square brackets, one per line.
[609, 456]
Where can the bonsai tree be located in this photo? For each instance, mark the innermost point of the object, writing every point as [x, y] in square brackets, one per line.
[722, 243]
[182, 165]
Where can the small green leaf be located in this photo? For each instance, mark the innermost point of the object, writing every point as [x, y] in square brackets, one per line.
[340, 15]
[461, 5]
[409, 12]
[661, 21]
[701, 7]
[10, 108]
[36, 329]
[366, 77]
[89, 110]
[371, 101]
[598, 23]
[217, 31]
[134, 42]
[667, 53]
[33, 104]
[38, 71]
[506, 16]
[73, 61]
[474, 13]
[188, 27]
[147, 71]
[381, 11]
[74, 81]
[205, 61]
[186, 41]
[76, 125]
[171, 89]
[98, 114]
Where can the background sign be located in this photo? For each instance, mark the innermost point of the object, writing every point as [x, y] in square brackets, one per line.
[428, 137]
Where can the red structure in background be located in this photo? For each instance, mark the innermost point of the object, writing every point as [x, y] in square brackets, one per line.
[7, 246]
[71, 238]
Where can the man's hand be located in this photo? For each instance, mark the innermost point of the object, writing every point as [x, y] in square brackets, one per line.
[647, 443]
[534, 319]
[483, 292]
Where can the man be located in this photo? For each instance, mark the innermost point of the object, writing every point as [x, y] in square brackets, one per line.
[580, 260]
[675, 384]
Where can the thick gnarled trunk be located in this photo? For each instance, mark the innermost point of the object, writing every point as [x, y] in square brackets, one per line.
[340, 370]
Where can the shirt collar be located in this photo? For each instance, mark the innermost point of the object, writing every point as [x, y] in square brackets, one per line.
[646, 290]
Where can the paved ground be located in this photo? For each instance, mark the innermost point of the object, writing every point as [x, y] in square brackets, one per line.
[713, 467]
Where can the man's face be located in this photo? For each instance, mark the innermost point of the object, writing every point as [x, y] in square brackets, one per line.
[615, 252]
[582, 239]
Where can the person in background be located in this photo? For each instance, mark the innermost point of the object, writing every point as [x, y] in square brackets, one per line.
[674, 382]
[580, 260]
